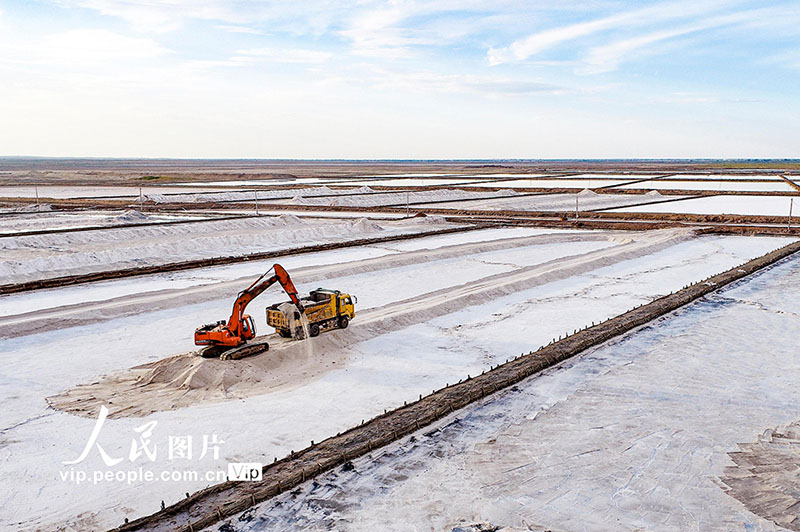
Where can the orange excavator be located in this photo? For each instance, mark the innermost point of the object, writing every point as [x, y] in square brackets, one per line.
[230, 340]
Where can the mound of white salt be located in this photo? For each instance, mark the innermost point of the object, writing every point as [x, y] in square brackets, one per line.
[132, 216]
[43, 207]
[586, 193]
[299, 200]
[290, 219]
[155, 198]
[433, 219]
[654, 194]
[363, 224]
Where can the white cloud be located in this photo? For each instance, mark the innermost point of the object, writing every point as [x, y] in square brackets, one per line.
[80, 47]
[378, 33]
[160, 15]
[426, 82]
[788, 59]
[538, 42]
[299, 16]
[285, 55]
[608, 57]
[235, 28]
[204, 65]
[395, 29]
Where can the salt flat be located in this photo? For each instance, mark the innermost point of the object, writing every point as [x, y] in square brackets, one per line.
[521, 300]
[728, 204]
[632, 435]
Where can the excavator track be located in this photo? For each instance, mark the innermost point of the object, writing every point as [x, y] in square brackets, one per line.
[234, 353]
[246, 350]
[212, 351]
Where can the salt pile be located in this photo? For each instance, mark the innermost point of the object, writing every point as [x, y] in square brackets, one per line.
[29, 208]
[363, 224]
[435, 219]
[132, 216]
[300, 200]
[290, 219]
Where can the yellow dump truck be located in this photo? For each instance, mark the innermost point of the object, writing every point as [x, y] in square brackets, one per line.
[323, 310]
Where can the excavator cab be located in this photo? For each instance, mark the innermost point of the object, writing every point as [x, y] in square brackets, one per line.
[248, 327]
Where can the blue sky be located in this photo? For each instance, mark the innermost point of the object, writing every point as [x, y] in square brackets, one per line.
[428, 79]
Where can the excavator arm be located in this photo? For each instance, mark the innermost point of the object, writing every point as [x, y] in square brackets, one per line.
[254, 290]
[222, 336]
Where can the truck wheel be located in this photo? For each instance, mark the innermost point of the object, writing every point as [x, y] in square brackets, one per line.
[284, 334]
[344, 322]
[313, 330]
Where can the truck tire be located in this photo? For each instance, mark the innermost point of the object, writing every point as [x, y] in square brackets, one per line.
[343, 322]
[313, 330]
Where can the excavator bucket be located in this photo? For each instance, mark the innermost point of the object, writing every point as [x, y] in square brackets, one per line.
[288, 285]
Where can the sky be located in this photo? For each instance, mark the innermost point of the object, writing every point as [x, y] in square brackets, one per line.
[435, 79]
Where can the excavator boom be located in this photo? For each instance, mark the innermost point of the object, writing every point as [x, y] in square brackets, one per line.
[254, 290]
[240, 328]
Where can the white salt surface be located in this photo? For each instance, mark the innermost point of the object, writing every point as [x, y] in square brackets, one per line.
[241, 274]
[39, 256]
[623, 177]
[379, 373]
[586, 201]
[247, 195]
[728, 177]
[312, 213]
[65, 192]
[256, 182]
[728, 204]
[60, 220]
[564, 182]
[395, 198]
[465, 176]
[426, 182]
[737, 186]
[632, 435]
